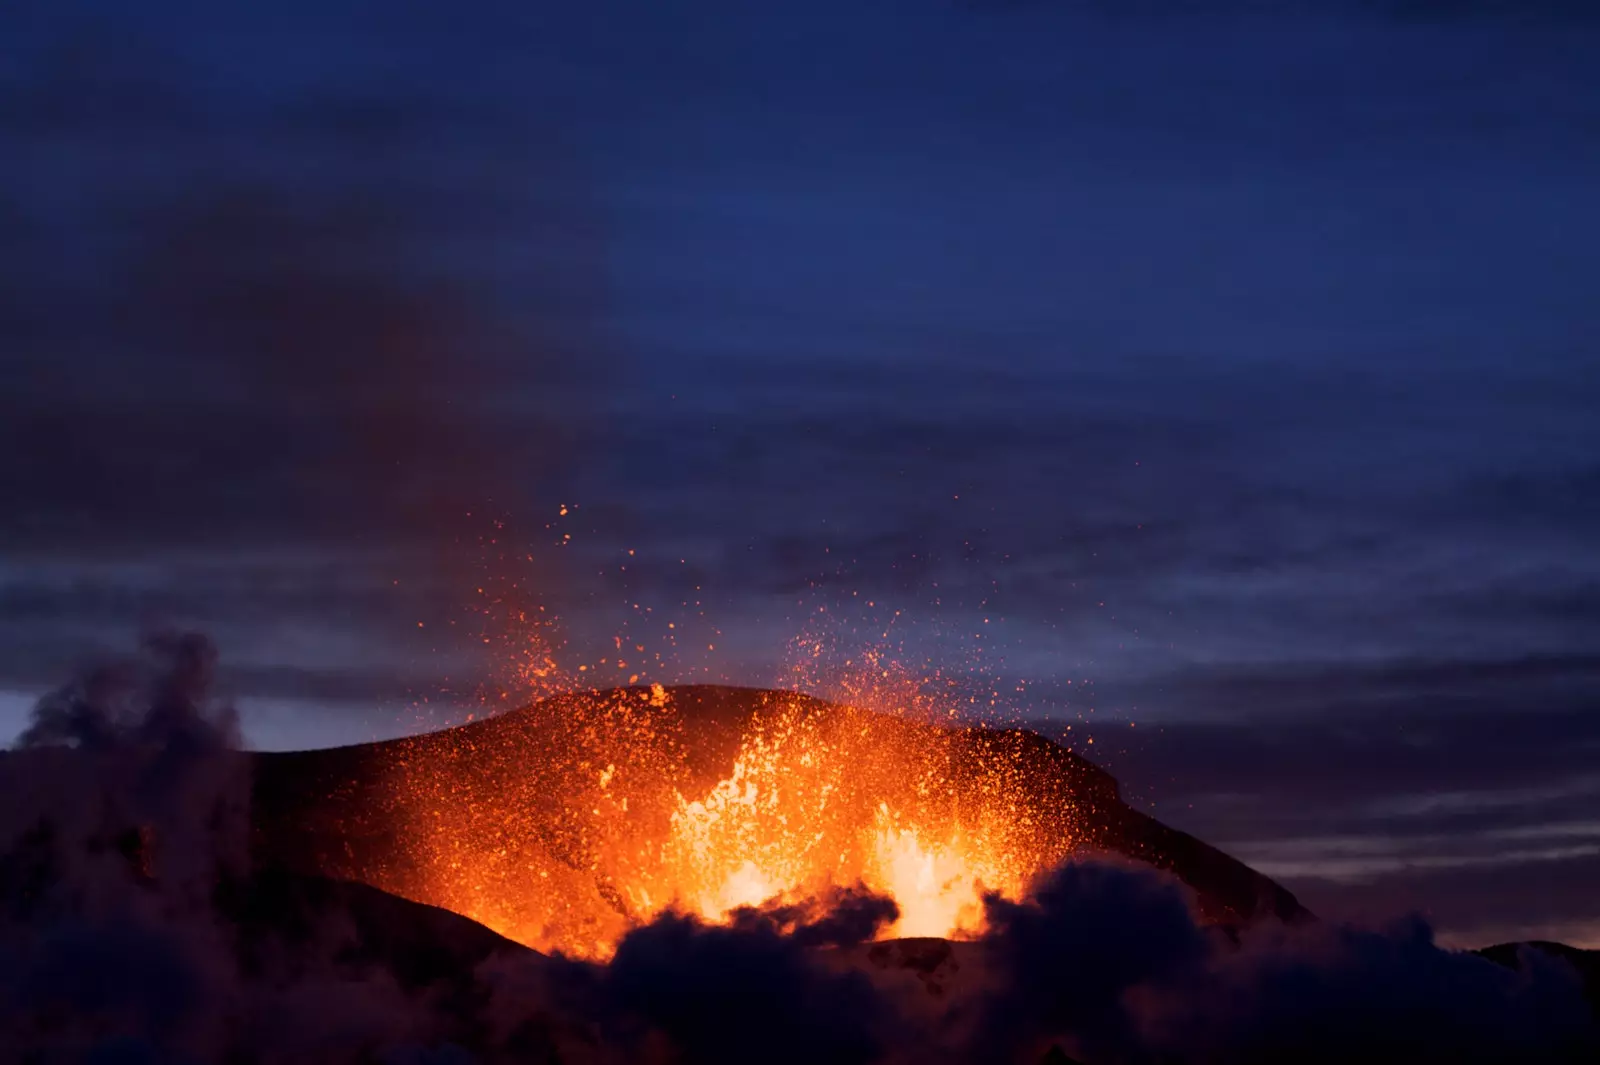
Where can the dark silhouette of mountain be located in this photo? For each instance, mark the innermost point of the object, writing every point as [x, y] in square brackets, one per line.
[421, 946]
[1585, 962]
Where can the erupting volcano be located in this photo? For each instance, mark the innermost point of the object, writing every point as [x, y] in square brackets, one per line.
[702, 871]
[564, 824]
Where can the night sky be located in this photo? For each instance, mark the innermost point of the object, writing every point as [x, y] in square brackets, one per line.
[1218, 378]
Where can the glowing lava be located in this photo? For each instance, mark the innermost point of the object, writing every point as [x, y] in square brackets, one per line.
[795, 818]
[564, 825]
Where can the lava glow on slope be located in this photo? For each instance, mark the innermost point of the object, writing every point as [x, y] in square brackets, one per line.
[565, 824]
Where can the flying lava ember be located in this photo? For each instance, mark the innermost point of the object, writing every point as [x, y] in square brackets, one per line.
[567, 823]
[592, 810]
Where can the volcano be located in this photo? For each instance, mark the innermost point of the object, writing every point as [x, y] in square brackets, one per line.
[703, 875]
[563, 824]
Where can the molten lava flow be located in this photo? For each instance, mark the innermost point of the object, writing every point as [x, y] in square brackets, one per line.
[565, 825]
[796, 817]
[939, 887]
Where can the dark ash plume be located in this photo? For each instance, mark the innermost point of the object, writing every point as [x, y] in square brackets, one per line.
[840, 917]
[161, 699]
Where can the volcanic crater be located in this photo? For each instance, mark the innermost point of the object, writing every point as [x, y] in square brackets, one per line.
[565, 823]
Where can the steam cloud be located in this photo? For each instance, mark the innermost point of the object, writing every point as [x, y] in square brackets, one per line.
[162, 699]
[1111, 961]
[134, 929]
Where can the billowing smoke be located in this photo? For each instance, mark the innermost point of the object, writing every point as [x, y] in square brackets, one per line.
[718, 993]
[1122, 930]
[841, 917]
[161, 699]
[264, 344]
[134, 928]
[1110, 962]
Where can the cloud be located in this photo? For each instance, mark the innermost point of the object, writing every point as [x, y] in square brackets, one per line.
[719, 994]
[210, 345]
[132, 925]
[161, 701]
[1323, 994]
[1069, 956]
[1111, 962]
[309, 390]
[1417, 11]
[239, 324]
[841, 917]
[1458, 787]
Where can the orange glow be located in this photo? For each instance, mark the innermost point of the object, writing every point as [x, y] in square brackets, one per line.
[564, 825]
[567, 823]
[795, 818]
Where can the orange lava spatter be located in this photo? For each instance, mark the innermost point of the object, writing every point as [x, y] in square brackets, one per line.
[566, 824]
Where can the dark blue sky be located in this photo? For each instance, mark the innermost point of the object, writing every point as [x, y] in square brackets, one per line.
[1236, 361]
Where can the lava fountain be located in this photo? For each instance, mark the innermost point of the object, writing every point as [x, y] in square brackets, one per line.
[564, 824]
[807, 809]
